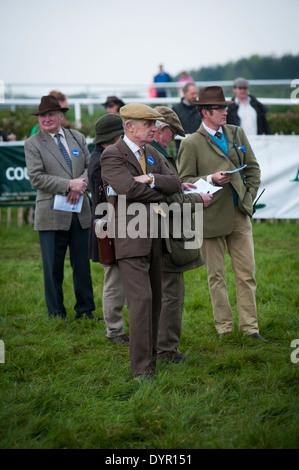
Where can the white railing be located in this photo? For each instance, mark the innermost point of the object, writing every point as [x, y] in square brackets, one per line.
[96, 94]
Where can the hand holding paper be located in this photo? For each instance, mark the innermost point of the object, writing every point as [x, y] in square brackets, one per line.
[203, 186]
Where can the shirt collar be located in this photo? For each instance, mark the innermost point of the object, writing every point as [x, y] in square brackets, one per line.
[211, 131]
[59, 132]
[132, 146]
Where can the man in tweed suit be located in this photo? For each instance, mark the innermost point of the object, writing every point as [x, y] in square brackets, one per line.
[136, 173]
[212, 153]
[61, 170]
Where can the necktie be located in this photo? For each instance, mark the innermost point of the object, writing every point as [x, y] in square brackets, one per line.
[142, 161]
[64, 151]
[157, 208]
[218, 135]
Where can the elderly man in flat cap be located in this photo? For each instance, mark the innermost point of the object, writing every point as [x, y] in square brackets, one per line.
[57, 160]
[180, 259]
[133, 170]
[216, 152]
[108, 129]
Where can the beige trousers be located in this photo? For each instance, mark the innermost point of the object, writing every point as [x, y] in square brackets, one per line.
[241, 250]
[113, 301]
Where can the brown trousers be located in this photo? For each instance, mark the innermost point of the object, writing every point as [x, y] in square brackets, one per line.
[141, 278]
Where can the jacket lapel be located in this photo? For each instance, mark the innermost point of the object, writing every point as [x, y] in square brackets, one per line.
[129, 155]
[54, 150]
[210, 141]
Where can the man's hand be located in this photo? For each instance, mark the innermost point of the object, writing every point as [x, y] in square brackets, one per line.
[188, 186]
[76, 188]
[206, 198]
[221, 178]
[142, 179]
[78, 185]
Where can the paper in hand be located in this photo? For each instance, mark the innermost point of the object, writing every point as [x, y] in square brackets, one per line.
[234, 171]
[203, 186]
[60, 204]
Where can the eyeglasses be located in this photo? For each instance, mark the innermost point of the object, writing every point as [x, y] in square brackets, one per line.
[220, 108]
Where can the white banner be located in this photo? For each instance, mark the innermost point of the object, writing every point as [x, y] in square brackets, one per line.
[278, 157]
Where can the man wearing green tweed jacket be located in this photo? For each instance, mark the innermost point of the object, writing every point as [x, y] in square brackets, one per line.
[180, 259]
[209, 153]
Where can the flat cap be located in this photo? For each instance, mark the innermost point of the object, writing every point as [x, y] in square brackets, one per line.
[172, 119]
[139, 111]
[241, 83]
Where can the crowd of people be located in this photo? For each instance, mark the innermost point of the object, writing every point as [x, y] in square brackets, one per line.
[131, 160]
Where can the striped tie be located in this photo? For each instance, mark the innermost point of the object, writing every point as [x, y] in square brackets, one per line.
[64, 151]
[142, 161]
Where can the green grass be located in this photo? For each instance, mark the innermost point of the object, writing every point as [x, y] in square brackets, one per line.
[67, 387]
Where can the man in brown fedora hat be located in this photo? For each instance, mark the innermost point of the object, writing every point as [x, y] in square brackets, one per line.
[113, 104]
[214, 153]
[57, 161]
[133, 172]
[180, 259]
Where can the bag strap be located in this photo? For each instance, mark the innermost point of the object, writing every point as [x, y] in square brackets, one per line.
[213, 142]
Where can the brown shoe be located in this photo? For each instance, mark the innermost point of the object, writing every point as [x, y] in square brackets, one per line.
[119, 339]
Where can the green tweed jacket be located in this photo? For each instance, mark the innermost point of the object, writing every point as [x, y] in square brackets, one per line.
[199, 157]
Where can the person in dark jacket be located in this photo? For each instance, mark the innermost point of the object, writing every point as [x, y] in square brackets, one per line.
[108, 130]
[180, 259]
[187, 112]
[246, 111]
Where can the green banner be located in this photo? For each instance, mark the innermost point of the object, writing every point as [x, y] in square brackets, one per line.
[15, 186]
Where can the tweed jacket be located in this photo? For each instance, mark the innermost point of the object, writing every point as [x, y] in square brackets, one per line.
[119, 166]
[180, 259]
[49, 174]
[199, 157]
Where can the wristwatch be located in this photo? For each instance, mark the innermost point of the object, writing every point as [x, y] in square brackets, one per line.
[151, 178]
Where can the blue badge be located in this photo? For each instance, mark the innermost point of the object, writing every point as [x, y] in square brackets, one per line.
[75, 152]
[150, 160]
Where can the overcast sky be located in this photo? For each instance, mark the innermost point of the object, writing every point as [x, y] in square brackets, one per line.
[124, 41]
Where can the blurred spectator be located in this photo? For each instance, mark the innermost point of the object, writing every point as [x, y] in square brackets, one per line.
[162, 77]
[113, 105]
[62, 99]
[246, 111]
[184, 78]
[187, 111]
[6, 138]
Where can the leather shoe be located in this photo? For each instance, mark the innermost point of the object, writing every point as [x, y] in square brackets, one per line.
[119, 339]
[147, 376]
[174, 358]
[60, 315]
[224, 334]
[257, 336]
[89, 315]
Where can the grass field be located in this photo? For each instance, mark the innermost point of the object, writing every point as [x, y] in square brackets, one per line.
[67, 387]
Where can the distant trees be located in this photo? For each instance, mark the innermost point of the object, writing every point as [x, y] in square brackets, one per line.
[254, 67]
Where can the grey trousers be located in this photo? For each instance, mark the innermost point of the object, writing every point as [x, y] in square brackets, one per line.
[170, 324]
[113, 301]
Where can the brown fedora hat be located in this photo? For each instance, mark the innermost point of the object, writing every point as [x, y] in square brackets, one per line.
[49, 103]
[113, 100]
[210, 95]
